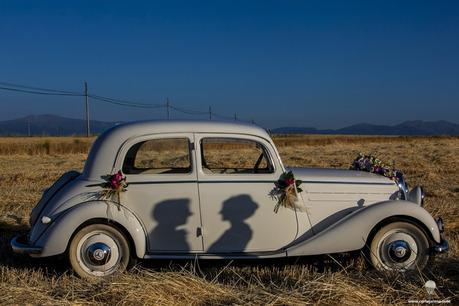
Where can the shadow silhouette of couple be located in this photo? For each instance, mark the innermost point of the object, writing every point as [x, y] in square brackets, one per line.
[171, 215]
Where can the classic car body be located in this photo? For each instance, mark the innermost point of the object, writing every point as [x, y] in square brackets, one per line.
[191, 204]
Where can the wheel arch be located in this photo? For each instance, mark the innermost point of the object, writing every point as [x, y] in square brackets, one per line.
[352, 232]
[56, 238]
[400, 218]
[105, 221]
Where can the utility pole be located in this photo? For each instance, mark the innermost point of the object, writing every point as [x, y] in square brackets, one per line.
[88, 131]
[167, 106]
[28, 128]
[235, 117]
[210, 112]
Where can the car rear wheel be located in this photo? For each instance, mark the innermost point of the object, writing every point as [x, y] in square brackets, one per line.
[99, 250]
[400, 246]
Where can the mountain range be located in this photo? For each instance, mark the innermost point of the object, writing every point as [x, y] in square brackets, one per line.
[415, 127]
[60, 126]
[51, 125]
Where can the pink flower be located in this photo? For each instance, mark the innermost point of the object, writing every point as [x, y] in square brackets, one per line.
[116, 179]
[119, 176]
[115, 184]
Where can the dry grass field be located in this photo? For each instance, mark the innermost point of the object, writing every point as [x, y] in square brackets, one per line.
[28, 165]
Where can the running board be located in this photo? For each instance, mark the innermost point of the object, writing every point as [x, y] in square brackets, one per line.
[252, 255]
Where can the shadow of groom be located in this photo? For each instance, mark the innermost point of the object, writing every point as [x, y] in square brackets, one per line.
[170, 215]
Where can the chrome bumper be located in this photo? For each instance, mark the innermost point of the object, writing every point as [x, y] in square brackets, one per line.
[20, 245]
[441, 247]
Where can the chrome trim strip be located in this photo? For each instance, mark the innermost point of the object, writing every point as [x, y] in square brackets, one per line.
[250, 181]
[200, 182]
[235, 181]
[162, 182]
[350, 183]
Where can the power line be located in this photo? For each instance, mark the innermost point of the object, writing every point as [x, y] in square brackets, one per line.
[41, 92]
[126, 102]
[38, 88]
[188, 111]
[55, 92]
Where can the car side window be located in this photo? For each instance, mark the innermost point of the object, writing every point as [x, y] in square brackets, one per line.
[234, 156]
[159, 156]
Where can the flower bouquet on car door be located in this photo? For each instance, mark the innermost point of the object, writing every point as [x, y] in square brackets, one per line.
[113, 186]
[285, 192]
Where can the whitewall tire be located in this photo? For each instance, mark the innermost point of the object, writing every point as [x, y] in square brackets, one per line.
[400, 246]
[99, 250]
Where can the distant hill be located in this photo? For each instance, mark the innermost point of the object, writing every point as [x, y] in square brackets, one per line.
[51, 125]
[60, 126]
[416, 127]
[300, 130]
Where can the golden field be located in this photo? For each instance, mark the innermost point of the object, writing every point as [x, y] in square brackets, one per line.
[28, 165]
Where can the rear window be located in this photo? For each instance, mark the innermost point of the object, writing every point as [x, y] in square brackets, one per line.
[159, 156]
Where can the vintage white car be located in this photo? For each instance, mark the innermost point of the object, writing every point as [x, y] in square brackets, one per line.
[201, 189]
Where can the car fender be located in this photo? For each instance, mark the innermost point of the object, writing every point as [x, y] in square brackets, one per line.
[351, 232]
[55, 239]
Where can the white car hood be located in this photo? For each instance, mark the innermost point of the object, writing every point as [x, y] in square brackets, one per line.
[339, 176]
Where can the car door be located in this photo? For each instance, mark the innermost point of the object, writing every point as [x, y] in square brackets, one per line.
[237, 211]
[162, 191]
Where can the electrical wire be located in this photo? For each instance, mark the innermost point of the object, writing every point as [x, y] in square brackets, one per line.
[126, 103]
[187, 111]
[38, 88]
[40, 92]
[55, 92]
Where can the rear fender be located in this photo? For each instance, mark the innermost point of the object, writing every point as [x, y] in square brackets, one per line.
[57, 236]
[49, 193]
[351, 232]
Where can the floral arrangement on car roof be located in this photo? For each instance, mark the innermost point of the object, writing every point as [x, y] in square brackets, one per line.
[285, 192]
[370, 163]
[113, 185]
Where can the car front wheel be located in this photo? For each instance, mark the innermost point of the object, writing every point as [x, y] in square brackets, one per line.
[99, 250]
[400, 246]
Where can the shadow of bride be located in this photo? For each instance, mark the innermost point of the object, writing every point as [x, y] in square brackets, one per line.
[236, 210]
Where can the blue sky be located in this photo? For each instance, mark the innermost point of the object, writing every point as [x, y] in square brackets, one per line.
[326, 64]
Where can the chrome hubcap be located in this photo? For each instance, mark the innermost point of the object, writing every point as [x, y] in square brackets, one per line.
[397, 250]
[98, 253]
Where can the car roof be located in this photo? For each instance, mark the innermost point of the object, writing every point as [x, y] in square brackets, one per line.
[103, 153]
[188, 126]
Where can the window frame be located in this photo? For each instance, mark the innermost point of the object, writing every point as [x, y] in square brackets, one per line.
[259, 141]
[140, 177]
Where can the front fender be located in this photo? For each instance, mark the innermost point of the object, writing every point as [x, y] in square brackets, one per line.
[55, 239]
[351, 232]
